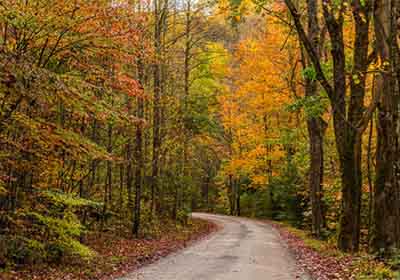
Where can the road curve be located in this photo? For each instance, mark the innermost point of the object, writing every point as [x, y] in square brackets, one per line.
[242, 250]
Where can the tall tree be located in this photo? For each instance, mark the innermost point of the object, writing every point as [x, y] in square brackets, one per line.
[139, 157]
[315, 124]
[160, 14]
[386, 237]
[350, 118]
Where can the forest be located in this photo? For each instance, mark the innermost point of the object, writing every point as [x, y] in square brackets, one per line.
[119, 118]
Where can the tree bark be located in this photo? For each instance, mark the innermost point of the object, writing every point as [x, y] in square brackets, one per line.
[108, 184]
[386, 235]
[349, 119]
[139, 154]
[350, 222]
[159, 17]
[316, 129]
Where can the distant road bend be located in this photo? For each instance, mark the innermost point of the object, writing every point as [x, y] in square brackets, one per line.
[242, 250]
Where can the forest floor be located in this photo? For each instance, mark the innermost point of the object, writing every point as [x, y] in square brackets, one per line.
[117, 255]
[323, 261]
[240, 249]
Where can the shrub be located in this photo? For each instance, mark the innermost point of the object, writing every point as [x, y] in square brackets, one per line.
[20, 250]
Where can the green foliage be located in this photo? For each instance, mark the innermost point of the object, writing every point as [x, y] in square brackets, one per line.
[63, 200]
[394, 260]
[206, 84]
[151, 224]
[53, 233]
[370, 269]
[309, 73]
[65, 227]
[288, 197]
[332, 204]
[21, 250]
[61, 231]
[313, 106]
[68, 247]
[182, 216]
[248, 204]
[283, 199]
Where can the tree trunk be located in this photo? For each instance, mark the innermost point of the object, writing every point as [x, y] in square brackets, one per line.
[386, 235]
[231, 194]
[129, 172]
[238, 191]
[350, 222]
[158, 14]
[369, 177]
[108, 184]
[316, 129]
[349, 119]
[349, 231]
[93, 164]
[139, 154]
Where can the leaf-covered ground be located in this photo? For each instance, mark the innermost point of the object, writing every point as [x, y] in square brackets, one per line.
[321, 267]
[117, 255]
[323, 261]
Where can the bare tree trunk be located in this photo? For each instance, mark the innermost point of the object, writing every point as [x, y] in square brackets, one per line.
[139, 153]
[94, 163]
[238, 191]
[108, 184]
[348, 136]
[369, 177]
[231, 194]
[121, 186]
[158, 14]
[386, 237]
[316, 129]
[129, 172]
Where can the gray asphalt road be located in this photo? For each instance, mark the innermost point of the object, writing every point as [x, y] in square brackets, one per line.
[242, 250]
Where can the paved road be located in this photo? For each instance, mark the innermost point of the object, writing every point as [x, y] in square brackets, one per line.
[242, 250]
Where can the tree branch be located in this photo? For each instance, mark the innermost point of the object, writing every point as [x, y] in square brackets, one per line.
[310, 50]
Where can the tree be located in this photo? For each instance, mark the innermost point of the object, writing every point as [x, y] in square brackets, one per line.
[386, 235]
[350, 117]
[316, 125]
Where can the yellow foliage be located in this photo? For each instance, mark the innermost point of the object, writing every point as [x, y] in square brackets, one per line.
[253, 107]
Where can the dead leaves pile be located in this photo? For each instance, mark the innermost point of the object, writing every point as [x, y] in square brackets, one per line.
[319, 266]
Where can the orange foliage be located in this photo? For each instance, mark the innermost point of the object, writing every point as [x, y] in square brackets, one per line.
[254, 106]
